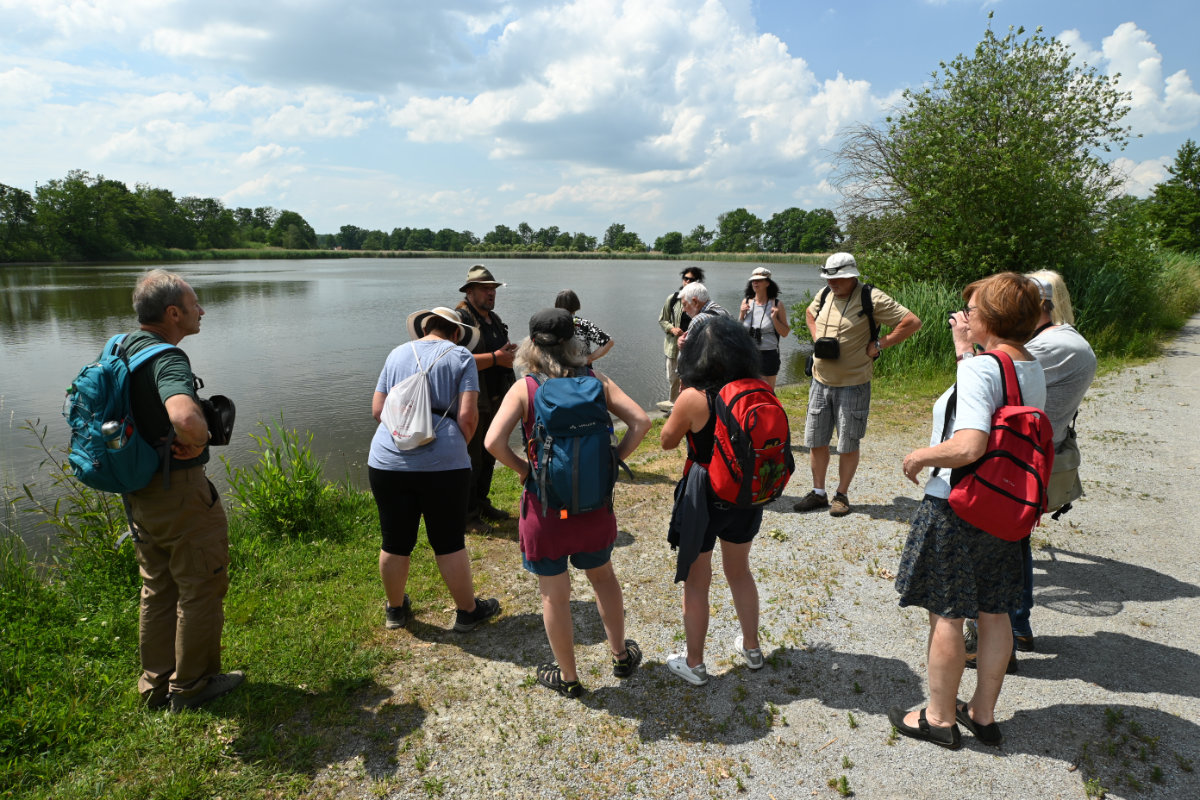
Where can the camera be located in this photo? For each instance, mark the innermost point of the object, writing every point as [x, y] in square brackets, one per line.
[827, 348]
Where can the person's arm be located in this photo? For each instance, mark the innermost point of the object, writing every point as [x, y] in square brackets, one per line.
[629, 412]
[468, 413]
[811, 321]
[191, 429]
[907, 326]
[601, 351]
[512, 410]
[690, 413]
[496, 358]
[958, 331]
[964, 447]
[377, 402]
[666, 322]
[779, 320]
[743, 309]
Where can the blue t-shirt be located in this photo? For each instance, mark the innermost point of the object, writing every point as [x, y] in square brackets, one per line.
[449, 377]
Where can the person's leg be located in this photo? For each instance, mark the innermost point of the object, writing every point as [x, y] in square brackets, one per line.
[556, 616]
[393, 571]
[847, 466]
[1019, 619]
[946, 658]
[770, 380]
[735, 561]
[398, 498]
[673, 378]
[443, 504]
[156, 620]
[994, 650]
[456, 572]
[818, 458]
[610, 604]
[695, 607]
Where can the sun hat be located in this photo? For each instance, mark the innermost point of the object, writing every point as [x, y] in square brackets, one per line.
[481, 275]
[551, 326]
[760, 274]
[840, 265]
[417, 320]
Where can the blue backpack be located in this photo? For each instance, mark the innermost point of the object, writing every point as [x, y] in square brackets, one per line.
[107, 453]
[570, 445]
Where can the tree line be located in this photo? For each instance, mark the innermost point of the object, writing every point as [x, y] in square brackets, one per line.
[92, 218]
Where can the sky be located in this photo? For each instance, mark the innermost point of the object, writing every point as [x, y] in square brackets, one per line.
[467, 114]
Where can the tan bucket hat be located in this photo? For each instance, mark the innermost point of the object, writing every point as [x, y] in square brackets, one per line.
[481, 275]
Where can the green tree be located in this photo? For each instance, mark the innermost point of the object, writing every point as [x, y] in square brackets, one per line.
[375, 240]
[1176, 201]
[213, 223]
[501, 235]
[670, 243]
[698, 240]
[291, 231]
[996, 163]
[525, 232]
[16, 224]
[351, 237]
[582, 243]
[821, 232]
[784, 231]
[419, 239]
[738, 231]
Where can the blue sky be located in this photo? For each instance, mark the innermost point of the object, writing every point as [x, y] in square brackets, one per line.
[658, 114]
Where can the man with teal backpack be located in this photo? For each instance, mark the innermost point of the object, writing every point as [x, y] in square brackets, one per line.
[178, 523]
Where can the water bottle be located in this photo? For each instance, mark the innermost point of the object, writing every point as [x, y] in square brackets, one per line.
[111, 431]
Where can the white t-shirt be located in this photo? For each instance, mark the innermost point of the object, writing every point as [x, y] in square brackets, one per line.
[980, 393]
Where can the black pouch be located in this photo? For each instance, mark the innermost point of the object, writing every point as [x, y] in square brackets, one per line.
[808, 365]
[827, 348]
[219, 414]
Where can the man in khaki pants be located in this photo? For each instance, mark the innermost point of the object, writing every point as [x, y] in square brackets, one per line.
[180, 528]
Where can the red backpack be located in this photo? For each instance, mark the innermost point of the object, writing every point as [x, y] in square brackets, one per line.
[752, 453]
[1004, 491]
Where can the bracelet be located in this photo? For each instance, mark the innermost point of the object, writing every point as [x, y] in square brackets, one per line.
[879, 345]
[493, 358]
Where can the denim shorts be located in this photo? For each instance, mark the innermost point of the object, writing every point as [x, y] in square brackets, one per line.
[549, 567]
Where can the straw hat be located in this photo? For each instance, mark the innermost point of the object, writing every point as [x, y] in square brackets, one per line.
[417, 320]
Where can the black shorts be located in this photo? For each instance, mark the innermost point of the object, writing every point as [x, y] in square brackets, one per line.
[769, 361]
[404, 498]
[733, 525]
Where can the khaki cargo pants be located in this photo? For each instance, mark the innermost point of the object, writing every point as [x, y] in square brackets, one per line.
[184, 560]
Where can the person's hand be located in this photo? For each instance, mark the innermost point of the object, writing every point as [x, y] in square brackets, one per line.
[504, 356]
[777, 312]
[960, 330]
[182, 452]
[681, 340]
[677, 332]
[912, 466]
[745, 306]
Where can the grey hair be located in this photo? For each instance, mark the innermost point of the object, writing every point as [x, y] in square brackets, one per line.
[157, 290]
[556, 361]
[694, 291]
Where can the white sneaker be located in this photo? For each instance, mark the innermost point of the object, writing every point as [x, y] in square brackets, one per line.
[697, 675]
[754, 658]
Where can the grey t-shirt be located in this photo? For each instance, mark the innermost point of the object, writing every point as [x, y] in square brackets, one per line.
[1070, 366]
[980, 393]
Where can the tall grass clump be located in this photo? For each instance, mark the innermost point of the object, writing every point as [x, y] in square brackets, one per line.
[284, 494]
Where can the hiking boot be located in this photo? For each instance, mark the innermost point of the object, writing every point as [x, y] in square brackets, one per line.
[157, 698]
[397, 616]
[624, 667]
[469, 620]
[492, 514]
[811, 502]
[697, 675]
[753, 657]
[217, 686]
[841, 505]
[1023, 643]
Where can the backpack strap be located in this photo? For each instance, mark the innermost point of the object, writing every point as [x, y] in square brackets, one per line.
[868, 307]
[1008, 378]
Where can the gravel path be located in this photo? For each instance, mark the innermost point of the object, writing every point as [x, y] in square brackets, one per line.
[1105, 701]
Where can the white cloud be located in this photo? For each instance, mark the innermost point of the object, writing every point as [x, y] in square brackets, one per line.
[265, 153]
[319, 114]
[1141, 177]
[1157, 104]
[19, 87]
[218, 40]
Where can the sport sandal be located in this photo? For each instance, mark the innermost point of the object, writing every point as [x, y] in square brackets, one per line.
[550, 676]
[948, 737]
[624, 667]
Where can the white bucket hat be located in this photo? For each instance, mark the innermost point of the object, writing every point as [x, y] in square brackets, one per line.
[840, 265]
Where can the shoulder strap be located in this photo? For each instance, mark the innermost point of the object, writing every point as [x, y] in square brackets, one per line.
[868, 307]
[116, 346]
[1008, 378]
[821, 295]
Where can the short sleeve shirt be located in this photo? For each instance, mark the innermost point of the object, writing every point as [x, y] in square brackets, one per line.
[980, 393]
[166, 375]
[1070, 366]
[453, 374]
[847, 322]
[590, 335]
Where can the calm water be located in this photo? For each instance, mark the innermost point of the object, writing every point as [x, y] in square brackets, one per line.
[306, 339]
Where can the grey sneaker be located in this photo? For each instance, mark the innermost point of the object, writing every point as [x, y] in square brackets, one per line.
[841, 505]
[697, 675]
[469, 620]
[397, 616]
[217, 686]
[811, 502]
[754, 657]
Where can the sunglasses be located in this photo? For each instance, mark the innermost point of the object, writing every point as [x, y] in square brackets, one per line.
[688, 279]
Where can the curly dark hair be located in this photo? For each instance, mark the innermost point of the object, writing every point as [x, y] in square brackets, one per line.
[718, 350]
[696, 272]
[772, 290]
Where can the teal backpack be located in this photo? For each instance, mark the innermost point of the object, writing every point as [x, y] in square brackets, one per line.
[107, 453]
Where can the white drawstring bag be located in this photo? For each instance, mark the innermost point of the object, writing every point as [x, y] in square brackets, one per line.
[407, 411]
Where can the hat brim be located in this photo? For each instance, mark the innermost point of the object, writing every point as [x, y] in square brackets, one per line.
[469, 284]
[416, 326]
[842, 272]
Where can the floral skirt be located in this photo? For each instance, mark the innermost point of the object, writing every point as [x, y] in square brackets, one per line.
[954, 569]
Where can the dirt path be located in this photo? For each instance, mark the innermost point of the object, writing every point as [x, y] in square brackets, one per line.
[1109, 699]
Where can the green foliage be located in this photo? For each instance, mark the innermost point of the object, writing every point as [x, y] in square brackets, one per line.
[670, 243]
[738, 231]
[794, 230]
[995, 164]
[1176, 202]
[284, 494]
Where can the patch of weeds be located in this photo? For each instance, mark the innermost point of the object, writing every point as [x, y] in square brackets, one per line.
[740, 693]
[893, 737]
[857, 689]
[544, 739]
[1092, 788]
[422, 760]
[850, 718]
[841, 786]
[529, 682]
[1185, 764]
[778, 535]
[847, 763]
[1124, 754]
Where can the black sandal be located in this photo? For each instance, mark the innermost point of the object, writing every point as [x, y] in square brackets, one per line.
[624, 667]
[986, 734]
[550, 676]
[948, 737]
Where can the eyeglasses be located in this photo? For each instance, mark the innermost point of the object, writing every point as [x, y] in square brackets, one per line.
[688, 279]
[966, 311]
